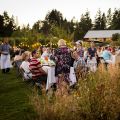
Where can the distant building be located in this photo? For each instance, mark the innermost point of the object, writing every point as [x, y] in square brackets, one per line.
[100, 35]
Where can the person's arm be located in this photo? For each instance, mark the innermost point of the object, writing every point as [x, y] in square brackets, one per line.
[96, 55]
[110, 54]
[118, 53]
[0, 48]
[88, 52]
[0, 51]
[21, 66]
[15, 58]
[10, 47]
[40, 68]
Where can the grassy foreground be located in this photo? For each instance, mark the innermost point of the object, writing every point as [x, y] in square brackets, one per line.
[14, 98]
[97, 98]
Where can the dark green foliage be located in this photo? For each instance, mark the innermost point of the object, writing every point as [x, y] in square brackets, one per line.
[100, 21]
[103, 22]
[45, 28]
[56, 26]
[115, 24]
[37, 26]
[7, 25]
[84, 25]
[54, 17]
[115, 37]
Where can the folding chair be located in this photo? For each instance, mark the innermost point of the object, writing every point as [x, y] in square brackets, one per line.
[17, 66]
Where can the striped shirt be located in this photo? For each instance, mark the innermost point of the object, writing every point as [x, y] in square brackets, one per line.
[35, 68]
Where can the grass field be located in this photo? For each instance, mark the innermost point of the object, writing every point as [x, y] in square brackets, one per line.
[14, 98]
[97, 98]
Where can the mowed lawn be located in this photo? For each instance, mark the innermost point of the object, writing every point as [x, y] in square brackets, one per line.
[14, 98]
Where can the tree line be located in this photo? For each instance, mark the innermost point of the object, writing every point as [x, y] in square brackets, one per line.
[55, 26]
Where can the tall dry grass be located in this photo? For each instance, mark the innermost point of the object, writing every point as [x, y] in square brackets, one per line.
[97, 98]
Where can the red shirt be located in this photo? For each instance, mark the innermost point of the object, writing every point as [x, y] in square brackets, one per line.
[35, 68]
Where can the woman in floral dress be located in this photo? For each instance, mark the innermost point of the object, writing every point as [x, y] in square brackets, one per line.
[63, 60]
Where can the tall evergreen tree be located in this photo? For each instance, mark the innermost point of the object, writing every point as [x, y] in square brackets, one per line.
[54, 17]
[100, 21]
[109, 19]
[85, 22]
[45, 29]
[38, 25]
[115, 24]
[97, 23]
[1, 26]
[7, 25]
[103, 22]
[83, 26]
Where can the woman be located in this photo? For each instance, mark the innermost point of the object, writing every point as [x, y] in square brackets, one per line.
[92, 54]
[5, 56]
[25, 65]
[80, 52]
[80, 49]
[63, 60]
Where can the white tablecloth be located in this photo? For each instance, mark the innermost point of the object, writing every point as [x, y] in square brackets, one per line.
[72, 76]
[50, 70]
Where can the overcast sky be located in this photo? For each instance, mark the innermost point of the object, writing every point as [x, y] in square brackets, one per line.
[29, 11]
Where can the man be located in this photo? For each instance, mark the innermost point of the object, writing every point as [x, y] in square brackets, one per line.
[5, 56]
[38, 74]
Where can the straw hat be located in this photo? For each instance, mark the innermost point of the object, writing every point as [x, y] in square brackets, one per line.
[61, 42]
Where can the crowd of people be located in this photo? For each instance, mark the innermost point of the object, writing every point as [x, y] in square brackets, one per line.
[35, 64]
